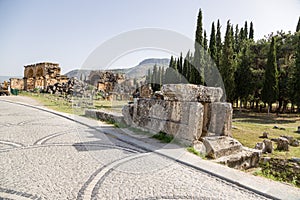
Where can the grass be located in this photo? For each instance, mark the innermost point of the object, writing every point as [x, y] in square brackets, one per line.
[250, 126]
[61, 104]
[54, 102]
[164, 137]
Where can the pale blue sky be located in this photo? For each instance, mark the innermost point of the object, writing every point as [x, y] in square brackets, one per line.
[66, 31]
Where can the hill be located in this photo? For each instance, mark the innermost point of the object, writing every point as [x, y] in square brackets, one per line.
[134, 72]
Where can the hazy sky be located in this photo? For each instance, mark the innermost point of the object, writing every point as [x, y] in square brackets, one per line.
[67, 31]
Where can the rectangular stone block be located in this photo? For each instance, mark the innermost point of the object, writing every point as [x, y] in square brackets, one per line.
[191, 93]
[220, 119]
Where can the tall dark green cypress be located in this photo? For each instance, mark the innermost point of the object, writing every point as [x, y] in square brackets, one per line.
[243, 75]
[218, 46]
[228, 66]
[205, 42]
[236, 40]
[298, 25]
[246, 30]
[197, 70]
[270, 86]
[212, 42]
[251, 33]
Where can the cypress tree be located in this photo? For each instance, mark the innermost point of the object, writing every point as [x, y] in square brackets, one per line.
[243, 75]
[246, 30]
[228, 67]
[218, 46]
[197, 70]
[298, 25]
[236, 39]
[251, 33]
[205, 45]
[241, 35]
[212, 42]
[270, 86]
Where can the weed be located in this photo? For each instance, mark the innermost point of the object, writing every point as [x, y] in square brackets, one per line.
[164, 137]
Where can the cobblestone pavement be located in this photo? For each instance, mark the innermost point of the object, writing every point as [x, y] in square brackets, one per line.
[45, 156]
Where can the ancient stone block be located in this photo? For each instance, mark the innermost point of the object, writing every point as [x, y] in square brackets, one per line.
[245, 159]
[191, 93]
[199, 147]
[282, 144]
[220, 122]
[268, 146]
[292, 141]
[220, 146]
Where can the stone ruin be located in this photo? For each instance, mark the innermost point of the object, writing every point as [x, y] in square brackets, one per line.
[195, 116]
[111, 85]
[41, 75]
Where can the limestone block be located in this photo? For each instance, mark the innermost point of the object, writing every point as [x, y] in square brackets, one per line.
[220, 122]
[200, 147]
[195, 120]
[220, 146]
[292, 141]
[268, 146]
[244, 159]
[191, 93]
[282, 144]
[127, 112]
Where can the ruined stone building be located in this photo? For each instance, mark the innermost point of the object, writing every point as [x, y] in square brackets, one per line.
[41, 75]
[112, 85]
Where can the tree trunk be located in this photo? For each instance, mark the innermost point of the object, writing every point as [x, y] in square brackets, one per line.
[269, 108]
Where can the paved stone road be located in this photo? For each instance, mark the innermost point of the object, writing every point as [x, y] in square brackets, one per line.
[45, 156]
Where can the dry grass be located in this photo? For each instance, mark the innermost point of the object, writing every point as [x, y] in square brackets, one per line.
[249, 126]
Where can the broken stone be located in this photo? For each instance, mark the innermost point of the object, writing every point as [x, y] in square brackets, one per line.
[268, 146]
[292, 141]
[265, 135]
[282, 144]
[244, 159]
[275, 127]
[200, 147]
[220, 146]
[259, 146]
[295, 143]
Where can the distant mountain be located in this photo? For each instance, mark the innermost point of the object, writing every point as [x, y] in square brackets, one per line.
[78, 73]
[142, 68]
[134, 72]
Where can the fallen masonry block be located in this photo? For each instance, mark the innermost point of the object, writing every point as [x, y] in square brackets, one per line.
[219, 146]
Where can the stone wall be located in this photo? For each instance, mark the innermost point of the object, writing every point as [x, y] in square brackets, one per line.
[16, 83]
[186, 111]
[42, 75]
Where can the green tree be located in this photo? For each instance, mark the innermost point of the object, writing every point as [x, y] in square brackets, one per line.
[298, 25]
[251, 33]
[228, 66]
[296, 75]
[270, 86]
[246, 30]
[237, 44]
[243, 75]
[197, 70]
[212, 42]
[218, 46]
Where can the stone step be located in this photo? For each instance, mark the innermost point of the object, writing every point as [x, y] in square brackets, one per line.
[244, 159]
